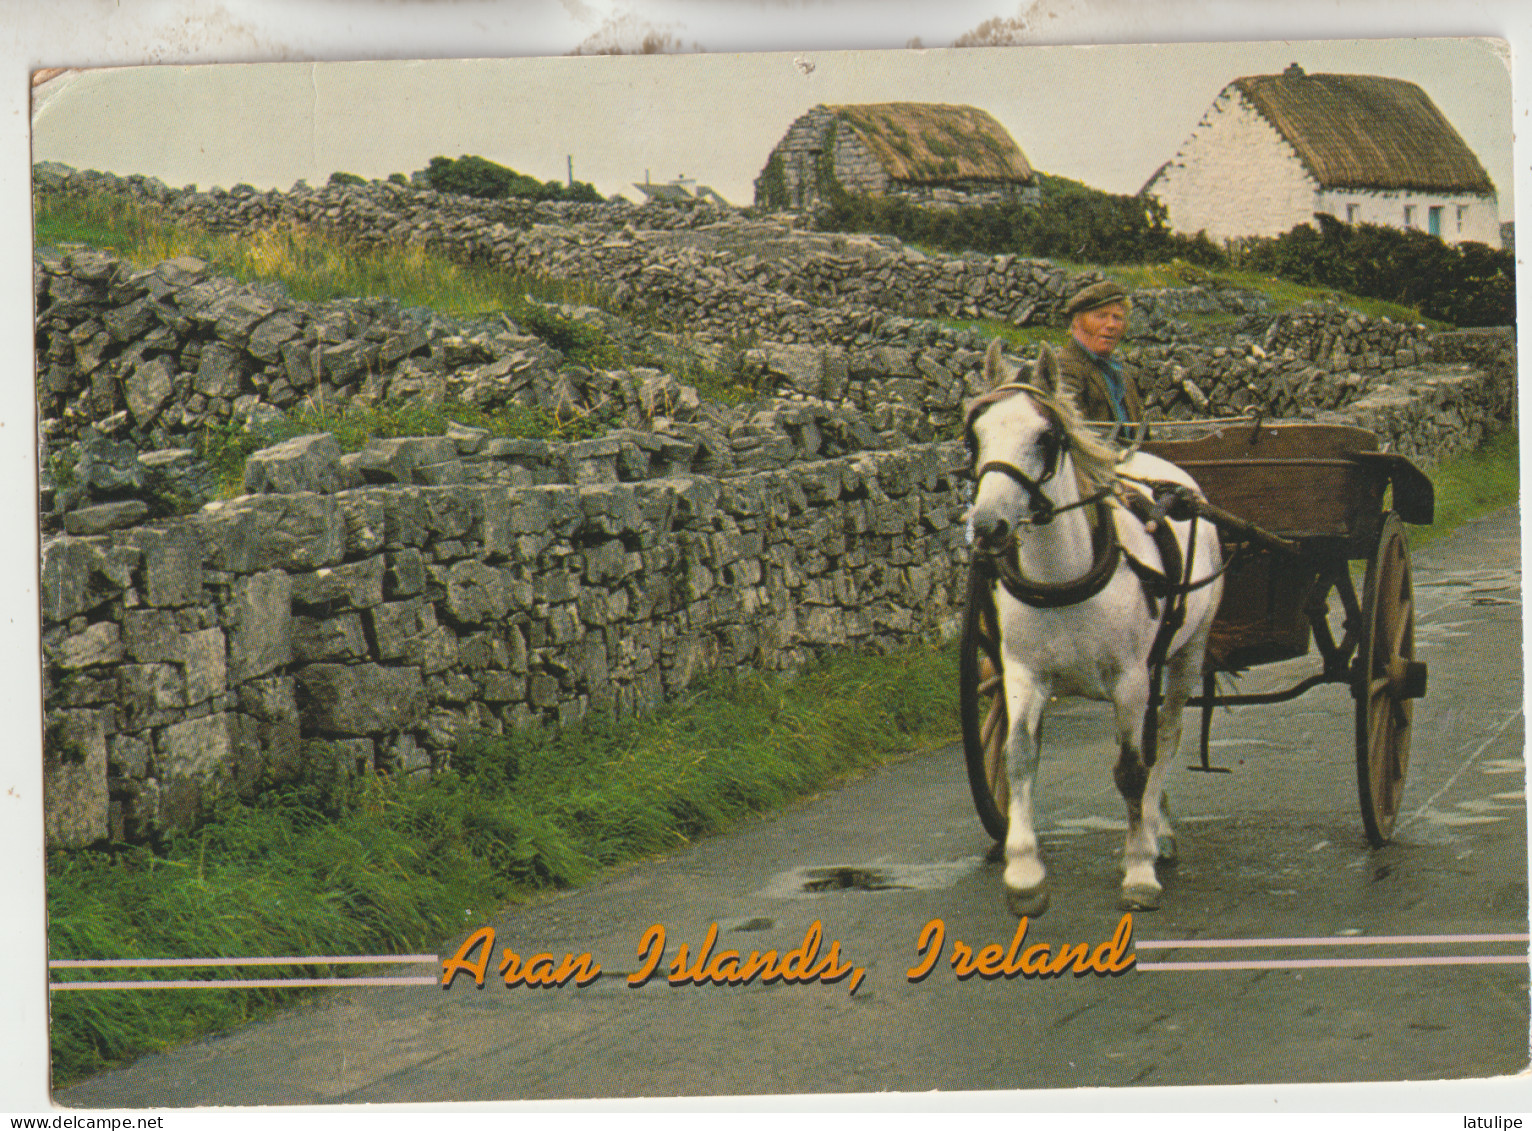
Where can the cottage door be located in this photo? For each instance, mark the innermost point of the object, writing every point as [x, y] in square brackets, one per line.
[1434, 221]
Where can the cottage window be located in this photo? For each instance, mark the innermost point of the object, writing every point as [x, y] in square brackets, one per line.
[1351, 213]
[1409, 215]
[1462, 216]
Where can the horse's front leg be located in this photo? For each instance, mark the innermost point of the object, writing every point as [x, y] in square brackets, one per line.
[1140, 885]
[1026, 883]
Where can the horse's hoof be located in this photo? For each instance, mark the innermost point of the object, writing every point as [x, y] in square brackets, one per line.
[1165, 850]
[1029, 903]
[1140, 897]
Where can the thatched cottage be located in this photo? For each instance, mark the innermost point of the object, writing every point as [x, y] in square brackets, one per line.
[1273, 150]
[939, 153]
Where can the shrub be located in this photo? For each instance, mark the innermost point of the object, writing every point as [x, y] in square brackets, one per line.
[480, 177]
[340, 178]
[1070, 221]
[1467, 285]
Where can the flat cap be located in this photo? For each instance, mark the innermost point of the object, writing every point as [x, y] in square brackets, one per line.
[1094, 297]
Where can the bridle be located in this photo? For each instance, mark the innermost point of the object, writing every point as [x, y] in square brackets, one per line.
[1055, 442]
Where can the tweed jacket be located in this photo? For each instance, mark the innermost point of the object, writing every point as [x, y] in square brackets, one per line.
[1082, 375]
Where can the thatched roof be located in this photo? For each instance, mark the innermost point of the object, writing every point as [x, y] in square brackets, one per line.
[931, 142]
[1364, 131]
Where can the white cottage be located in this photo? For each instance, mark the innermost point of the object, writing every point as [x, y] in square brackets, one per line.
[1273, 150]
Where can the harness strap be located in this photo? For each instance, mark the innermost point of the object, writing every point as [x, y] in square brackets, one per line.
[1048, 595]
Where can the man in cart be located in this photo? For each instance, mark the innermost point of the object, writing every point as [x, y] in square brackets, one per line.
[1103, 387]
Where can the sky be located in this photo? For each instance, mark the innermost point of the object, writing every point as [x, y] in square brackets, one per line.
[1107, 115]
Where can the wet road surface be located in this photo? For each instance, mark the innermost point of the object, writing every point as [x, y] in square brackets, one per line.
[1270, 853]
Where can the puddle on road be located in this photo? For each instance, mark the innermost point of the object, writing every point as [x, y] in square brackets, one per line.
[825, 879]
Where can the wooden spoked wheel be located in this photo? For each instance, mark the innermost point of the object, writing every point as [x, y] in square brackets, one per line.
[981, 697]
[1385, 680]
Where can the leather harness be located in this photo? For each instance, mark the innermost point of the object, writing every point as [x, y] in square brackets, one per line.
[1165, 589]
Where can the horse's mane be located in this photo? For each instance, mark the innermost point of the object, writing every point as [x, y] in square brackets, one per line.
[1095, 458]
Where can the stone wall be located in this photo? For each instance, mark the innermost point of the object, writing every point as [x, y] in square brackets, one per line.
[284, 634]
[712, 270]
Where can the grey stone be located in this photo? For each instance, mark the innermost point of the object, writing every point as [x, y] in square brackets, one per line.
[476, 593]
[148, 389]
[220, 371]
[149, 695]
[356, 584]
[262, 637]
[359, 699]
[259, 532]
[236, 316]
[99, 644]
[152, 635]
[304, 463]
[328, 638]
[172, 557]
[104, 517]
[364, 519]
[204, 664]
[267, 339]
[396, 460]
[76, 805]
[196, 760]
[396, 624]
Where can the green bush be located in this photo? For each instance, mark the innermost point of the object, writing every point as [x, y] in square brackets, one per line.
[480, 177]
[340, 178]
[1467, 285]
[1070, 221]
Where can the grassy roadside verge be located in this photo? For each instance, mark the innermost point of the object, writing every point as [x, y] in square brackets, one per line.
[371, 866]
[1471, 484]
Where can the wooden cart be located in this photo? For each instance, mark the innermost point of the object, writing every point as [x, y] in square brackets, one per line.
[1319, 497]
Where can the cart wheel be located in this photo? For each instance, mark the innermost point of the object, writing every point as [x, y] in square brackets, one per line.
[981, 698]
[1386, 679]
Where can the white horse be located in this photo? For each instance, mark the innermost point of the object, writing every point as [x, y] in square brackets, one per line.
[1087, 619]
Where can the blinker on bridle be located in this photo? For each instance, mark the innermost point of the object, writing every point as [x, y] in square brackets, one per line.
[1055, 442]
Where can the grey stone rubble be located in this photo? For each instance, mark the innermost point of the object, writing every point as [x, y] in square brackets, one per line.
[364, 610]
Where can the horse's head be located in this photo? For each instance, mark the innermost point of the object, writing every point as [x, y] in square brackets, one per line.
[1018, 443]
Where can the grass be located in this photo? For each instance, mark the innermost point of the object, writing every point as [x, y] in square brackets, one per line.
[373, 866]
[1471, 484]
[1284, 294]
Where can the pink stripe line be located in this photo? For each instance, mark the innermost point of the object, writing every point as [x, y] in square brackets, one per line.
[245, 983]
[291, 960]
[1337, 940]
[1333, 963]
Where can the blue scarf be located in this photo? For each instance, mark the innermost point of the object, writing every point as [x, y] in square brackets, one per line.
[1111, 370]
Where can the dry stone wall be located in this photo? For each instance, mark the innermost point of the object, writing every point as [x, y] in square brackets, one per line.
[284, 634]
[713, 270]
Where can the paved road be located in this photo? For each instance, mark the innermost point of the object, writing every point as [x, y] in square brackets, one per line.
[1272, 850]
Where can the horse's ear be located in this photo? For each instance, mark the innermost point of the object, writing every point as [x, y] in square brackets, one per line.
[1045, 371]
[997, 371]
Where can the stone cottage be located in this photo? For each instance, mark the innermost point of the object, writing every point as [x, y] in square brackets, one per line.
[928, 151]
[1273, 150]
